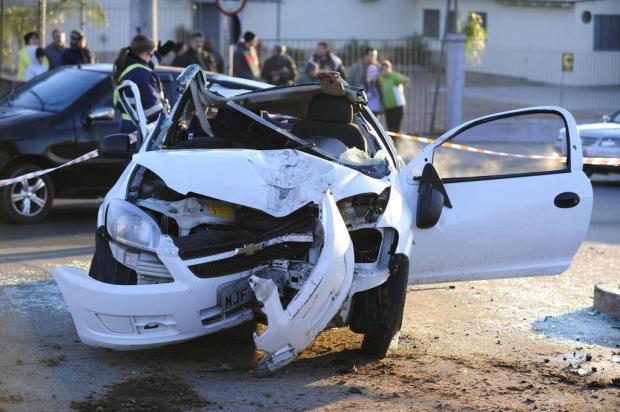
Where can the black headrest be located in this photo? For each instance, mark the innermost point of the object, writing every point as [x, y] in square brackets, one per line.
[327, 108]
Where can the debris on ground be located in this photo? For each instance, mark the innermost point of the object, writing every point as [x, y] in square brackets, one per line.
[152, 390]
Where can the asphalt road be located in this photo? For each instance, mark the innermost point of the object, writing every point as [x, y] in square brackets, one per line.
[518, 344]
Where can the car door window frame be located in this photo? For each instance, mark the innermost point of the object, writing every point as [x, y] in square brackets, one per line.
[467, 126]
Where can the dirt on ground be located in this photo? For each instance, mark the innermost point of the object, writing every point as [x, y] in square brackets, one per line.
[503, 345]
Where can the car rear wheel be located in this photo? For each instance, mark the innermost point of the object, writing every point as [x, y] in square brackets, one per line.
[28, 201]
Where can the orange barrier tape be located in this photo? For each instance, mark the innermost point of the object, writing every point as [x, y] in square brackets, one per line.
[599, 161]
[133, 137]
[32, 175]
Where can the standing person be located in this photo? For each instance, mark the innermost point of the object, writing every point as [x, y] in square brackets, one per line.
[219, 61]
[137, 63]
[373, 91]
[196, 54]
[245, 59]
[393, 95]
[54, 50]
[326, 60]
[310, 73]
[78, 51]
[358, 71]
[26, 55]
[177, 49]
[38, 66]
[280, 68]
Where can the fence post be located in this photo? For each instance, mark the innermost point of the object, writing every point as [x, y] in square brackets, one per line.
[455, 79]
[1, 37]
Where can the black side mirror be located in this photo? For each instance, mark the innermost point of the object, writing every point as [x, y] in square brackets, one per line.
[432, 197]
[116, 146]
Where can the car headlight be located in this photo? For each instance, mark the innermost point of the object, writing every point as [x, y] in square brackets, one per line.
[132, 226]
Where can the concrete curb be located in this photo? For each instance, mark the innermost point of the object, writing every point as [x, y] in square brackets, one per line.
[607, 299]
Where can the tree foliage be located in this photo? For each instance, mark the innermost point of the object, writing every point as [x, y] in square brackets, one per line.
[475, 36]
[21, 19]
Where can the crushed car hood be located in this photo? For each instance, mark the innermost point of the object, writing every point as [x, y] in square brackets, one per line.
[275, 181]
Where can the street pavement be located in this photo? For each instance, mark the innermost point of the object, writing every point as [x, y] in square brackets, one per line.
[517, 344]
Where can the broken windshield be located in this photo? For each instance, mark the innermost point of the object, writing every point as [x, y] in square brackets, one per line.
[286, 121]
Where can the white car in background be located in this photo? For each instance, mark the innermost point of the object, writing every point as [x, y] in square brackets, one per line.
[290, 206]
[599, 140]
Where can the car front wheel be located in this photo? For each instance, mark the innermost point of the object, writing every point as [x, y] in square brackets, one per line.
[378, 312]
[28, 201]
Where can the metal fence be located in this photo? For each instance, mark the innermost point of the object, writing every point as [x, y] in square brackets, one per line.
[503, 79]
[105, 34]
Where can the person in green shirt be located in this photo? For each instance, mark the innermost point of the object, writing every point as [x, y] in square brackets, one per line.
[392, 95]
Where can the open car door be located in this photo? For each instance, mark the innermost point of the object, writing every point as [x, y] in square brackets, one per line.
[491, 199]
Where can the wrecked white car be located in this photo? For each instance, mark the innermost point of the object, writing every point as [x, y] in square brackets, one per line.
[291, 207]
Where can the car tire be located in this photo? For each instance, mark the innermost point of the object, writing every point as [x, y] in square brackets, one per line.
[379, 311]
[26, 202]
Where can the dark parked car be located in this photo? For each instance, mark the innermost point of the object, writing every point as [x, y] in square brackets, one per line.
[59, 116]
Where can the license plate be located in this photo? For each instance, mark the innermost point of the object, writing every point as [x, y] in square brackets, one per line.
[235, 294]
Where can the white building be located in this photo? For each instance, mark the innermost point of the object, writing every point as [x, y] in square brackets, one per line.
[526, 38]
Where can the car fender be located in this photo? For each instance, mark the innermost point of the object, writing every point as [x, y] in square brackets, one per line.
[291, 330]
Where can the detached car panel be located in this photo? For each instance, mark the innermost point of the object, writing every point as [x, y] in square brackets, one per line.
[290, 206]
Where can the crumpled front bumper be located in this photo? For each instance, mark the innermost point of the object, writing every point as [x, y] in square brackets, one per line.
[291, 330]
[143, 316]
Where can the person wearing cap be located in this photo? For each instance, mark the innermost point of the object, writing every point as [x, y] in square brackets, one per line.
[54, 50]
[280, 68]
[27, 54]
[245, 59]
[78, 51]
[136, 63]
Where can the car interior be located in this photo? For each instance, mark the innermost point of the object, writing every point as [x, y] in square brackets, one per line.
[331, 123]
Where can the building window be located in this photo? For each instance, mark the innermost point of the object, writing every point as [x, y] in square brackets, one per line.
[483, 16]
[430, 27]
[607, 32]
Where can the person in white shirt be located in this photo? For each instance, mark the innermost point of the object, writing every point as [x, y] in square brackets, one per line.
[38, 66]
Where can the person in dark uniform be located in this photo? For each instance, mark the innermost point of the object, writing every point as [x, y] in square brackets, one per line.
[78, 51]
[137, 63]
[245, 58]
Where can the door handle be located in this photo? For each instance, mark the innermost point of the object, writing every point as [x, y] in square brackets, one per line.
[566, 199]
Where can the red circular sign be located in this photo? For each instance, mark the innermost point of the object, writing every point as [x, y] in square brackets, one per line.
[230, 7]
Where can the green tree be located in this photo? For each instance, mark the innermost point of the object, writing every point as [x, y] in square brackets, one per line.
[475, 37]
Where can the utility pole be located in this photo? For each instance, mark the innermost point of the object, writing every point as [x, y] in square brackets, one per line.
[438, 77]
[278, 19]
[42, 22]
[143, 18]
[455, 70]
[154, 21]
[2, 36]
